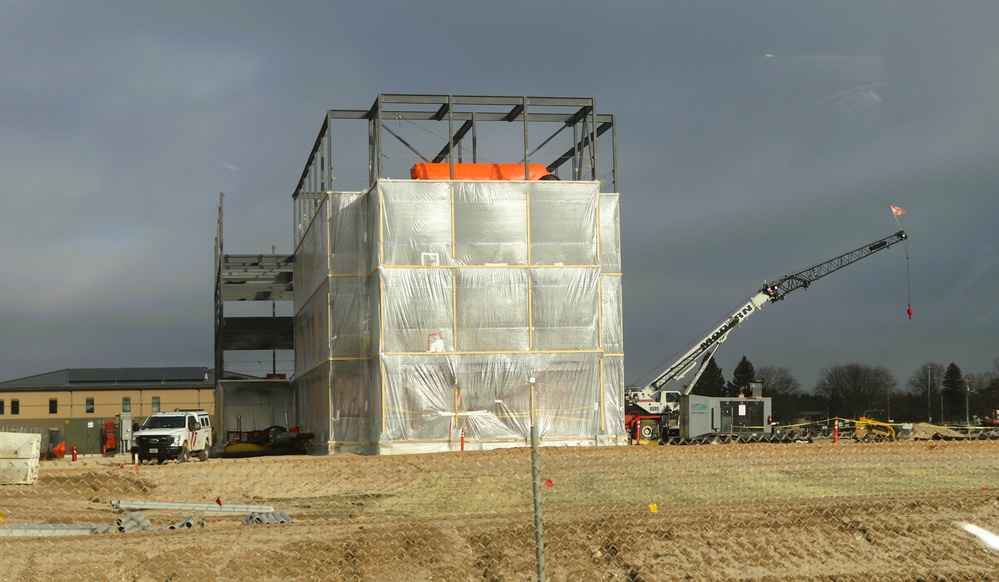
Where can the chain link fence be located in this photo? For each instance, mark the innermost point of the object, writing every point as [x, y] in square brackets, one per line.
[803, 509]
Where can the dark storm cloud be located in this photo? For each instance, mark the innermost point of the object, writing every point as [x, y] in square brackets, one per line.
[755, 139]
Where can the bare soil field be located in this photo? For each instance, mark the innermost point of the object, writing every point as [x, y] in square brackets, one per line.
[821, 511]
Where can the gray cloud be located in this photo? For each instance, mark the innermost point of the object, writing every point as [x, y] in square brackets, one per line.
[122, 123]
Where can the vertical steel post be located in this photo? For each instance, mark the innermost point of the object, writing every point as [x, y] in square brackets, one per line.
[967, 397]
[929, 396]
[593, 138]
[450, 134]
[527, 143]
[539, 537]
[475, 139]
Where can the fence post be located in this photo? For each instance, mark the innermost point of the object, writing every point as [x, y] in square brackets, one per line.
[539, 538]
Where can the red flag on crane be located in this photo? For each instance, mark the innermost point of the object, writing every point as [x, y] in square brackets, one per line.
[897, 210]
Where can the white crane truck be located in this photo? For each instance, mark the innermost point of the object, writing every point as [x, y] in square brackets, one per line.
[653, 412]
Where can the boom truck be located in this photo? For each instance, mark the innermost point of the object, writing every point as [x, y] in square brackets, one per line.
[653, 412]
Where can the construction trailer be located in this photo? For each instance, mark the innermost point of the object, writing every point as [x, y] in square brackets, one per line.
[469, 287]
[707, 416]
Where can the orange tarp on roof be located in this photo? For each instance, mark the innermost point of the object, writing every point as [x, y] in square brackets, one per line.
[477, 171]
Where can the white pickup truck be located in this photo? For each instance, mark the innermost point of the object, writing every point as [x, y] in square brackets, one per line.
[174, 435]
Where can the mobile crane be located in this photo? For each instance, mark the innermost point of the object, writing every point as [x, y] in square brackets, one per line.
[652, 412]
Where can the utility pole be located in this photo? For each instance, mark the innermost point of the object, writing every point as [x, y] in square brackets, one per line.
[273, 314]
[929, 396]
[967, 410]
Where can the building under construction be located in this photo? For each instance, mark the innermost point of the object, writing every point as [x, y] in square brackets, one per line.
[457, 277]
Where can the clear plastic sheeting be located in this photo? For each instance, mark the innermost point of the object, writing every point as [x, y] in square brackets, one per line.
[434, 316]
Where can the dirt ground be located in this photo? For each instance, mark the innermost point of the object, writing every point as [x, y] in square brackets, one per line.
[820, 511]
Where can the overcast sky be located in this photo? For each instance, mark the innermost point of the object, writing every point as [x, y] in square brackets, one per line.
[755, 138]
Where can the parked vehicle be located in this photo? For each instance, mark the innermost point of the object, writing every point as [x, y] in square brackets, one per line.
[174, 435]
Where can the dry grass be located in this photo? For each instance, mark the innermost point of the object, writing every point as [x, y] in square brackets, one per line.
[751, 511]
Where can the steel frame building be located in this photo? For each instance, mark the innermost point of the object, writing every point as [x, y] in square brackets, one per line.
[563, 133]
[364, 379]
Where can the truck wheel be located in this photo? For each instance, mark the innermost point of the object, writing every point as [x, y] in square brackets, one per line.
[203, 454]
[160, 460]
[184, 454]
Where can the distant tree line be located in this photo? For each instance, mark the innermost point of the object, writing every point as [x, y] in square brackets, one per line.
[933, 393]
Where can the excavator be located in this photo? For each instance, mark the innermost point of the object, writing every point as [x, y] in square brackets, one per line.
[652, 412]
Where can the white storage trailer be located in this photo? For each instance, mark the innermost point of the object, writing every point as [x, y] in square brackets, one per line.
[705, 416]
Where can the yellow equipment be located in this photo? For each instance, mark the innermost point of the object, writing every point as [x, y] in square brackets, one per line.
[868, 430]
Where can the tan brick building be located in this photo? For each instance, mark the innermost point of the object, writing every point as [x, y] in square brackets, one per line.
[102, 394]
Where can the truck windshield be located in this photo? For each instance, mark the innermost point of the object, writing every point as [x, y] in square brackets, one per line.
[164, 422]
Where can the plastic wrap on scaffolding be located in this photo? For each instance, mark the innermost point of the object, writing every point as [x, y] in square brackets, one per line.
[486, 306]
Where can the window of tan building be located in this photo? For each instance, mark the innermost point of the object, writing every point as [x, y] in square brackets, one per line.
[53, 406]
[126, 404]
[90, 405]
[15, 406]
[156, 403]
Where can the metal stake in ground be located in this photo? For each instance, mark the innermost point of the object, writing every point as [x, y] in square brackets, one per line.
[539, 538]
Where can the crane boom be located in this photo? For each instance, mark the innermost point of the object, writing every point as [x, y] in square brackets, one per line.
[769, 293]
[654, 412]
[803, 278]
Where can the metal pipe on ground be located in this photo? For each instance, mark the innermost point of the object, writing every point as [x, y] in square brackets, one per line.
[52, 530]
[201, 507]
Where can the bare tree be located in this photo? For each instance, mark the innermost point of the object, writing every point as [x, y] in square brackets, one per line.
[925, 384]
[987, 395]
[928, 374]
[778, 381]
[978, 381]
[784, 391]
[851, 389]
